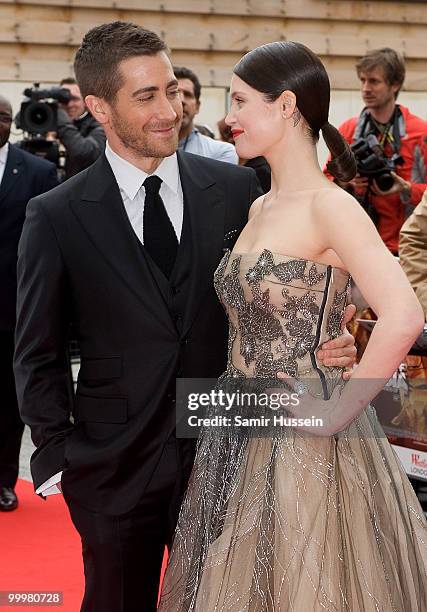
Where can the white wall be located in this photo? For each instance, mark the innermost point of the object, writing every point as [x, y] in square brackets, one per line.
[214, 103]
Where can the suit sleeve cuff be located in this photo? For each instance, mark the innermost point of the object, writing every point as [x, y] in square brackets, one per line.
[50, 486]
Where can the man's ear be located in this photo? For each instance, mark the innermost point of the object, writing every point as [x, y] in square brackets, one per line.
[98, 108]
[197, 106]
[395, 87]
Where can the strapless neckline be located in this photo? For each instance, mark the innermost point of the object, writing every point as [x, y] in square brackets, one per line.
[290, 257]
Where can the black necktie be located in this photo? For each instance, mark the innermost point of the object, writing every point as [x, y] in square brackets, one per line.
[159, 236]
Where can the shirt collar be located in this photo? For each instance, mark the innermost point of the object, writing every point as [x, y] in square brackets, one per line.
[4, 150]
[130, 178]
[190, 136]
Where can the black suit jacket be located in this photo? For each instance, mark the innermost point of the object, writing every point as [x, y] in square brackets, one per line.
[80, 262]
[25, 176]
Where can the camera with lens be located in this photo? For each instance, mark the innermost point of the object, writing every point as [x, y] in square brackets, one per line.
[37, 116]
[38, 113]
[373, 164]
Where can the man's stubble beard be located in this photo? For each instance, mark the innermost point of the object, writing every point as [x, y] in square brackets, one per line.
[139, 143]
[186, 120]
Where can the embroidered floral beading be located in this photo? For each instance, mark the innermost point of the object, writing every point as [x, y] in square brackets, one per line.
[275, 335]
[336, 312]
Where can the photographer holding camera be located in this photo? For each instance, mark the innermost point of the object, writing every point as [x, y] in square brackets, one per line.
[58, 115]
[387, 142]
[81, 135]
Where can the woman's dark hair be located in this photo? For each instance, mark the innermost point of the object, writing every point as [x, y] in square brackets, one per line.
[275, 67]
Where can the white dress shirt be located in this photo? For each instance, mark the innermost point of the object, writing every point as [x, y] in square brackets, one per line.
[4, 150]
[130, 179]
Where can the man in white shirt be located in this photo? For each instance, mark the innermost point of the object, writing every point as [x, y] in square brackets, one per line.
[22, 176]
[190, 138]
[125, 251]
[5, 126]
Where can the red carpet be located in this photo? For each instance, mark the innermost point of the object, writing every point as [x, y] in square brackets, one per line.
[41, 550]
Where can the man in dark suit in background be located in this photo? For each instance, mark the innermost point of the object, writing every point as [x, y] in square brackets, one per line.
[126, 252]
[22, 176]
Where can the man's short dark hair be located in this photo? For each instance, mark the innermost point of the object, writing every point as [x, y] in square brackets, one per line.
[389, 60]
[68, 81]
[103, 48]
[185, 73]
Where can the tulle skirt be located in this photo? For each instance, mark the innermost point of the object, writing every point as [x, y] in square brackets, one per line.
[298, 523]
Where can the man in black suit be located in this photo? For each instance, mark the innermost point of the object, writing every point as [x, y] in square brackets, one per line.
[22, 176]
[126, 253]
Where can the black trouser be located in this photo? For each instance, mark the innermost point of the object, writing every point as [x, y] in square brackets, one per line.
[11, 426]
[123, 554]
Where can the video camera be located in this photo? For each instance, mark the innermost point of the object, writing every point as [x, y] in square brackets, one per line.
[38, 113]
[373, 164]
[37, 116]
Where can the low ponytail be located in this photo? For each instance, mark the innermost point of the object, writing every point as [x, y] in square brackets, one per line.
[343, 165]
[285, 65]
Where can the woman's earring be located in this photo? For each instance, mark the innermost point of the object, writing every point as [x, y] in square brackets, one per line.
[296, 115]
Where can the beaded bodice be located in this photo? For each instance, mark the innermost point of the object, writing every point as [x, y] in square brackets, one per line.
[280, 309]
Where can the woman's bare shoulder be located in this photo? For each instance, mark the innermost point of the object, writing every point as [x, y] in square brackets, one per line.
[334, 201]
[256, 206]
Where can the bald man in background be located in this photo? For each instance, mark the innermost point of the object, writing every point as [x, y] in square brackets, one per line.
[22, 176]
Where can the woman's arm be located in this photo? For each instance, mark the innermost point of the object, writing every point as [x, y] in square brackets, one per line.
[347, 229]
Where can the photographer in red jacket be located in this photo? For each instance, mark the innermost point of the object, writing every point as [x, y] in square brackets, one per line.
[387, 140]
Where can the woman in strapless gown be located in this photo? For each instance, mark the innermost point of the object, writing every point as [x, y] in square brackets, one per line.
[294, 521]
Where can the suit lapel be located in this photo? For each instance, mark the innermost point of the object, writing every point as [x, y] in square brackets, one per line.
[13, 172]
[205, 206]
[102, 215]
